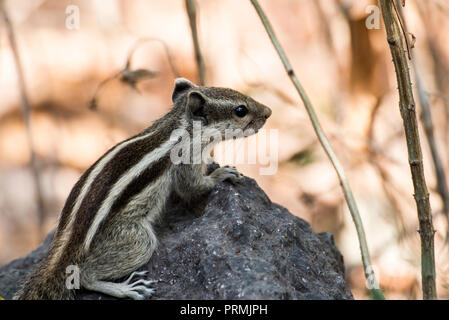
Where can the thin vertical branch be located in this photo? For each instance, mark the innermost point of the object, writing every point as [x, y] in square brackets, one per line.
[426, 118]
[26, 109]
[352, 205]
[191, 12]
[410, 121]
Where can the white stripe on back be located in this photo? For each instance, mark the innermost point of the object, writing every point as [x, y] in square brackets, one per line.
[85, 188]
[125, 180]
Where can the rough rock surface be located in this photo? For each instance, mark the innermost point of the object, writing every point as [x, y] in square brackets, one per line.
[237, 245]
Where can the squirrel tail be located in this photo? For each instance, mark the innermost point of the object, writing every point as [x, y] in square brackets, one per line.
[45, 284]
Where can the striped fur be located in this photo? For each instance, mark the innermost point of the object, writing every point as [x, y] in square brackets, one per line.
[105, 227]
[131, 177]
[104, 189]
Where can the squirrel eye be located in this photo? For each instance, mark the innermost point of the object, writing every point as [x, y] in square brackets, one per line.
[241, 111]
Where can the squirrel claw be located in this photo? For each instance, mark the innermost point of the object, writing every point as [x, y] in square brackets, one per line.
[139, 289]
[227, 173]
[135, 274]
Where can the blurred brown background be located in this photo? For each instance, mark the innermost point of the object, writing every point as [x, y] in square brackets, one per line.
[345, 68]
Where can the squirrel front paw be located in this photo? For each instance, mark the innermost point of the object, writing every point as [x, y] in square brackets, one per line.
[226, 173]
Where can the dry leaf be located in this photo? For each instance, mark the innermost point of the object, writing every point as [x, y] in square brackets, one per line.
[131, 77]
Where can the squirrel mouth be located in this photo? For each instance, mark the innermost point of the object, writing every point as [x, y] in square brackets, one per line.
[255, 125]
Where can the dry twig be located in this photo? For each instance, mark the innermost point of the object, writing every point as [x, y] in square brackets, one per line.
[410, 121]
[352, 205]
[132, 77]
[426, 118]
[26, 114]
[191, 12]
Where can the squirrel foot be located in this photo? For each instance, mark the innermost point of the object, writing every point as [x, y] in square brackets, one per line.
[137, 290]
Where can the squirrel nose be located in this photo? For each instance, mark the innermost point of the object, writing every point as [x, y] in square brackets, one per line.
[267, 112]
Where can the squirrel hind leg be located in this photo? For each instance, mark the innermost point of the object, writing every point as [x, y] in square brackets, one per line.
[103, 265]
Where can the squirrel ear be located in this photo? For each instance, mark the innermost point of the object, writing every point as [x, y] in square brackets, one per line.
[181, 86]
[196, 106]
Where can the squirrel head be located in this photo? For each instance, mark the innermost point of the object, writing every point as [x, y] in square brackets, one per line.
[221, 109]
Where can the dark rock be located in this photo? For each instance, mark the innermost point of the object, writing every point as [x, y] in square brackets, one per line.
[242, 246]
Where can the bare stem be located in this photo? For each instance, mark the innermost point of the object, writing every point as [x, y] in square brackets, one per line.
[408, 113]
[426, 118]
[167, 50]
[132, 77]
[352, 205]
[26, 110]
[191, 12]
